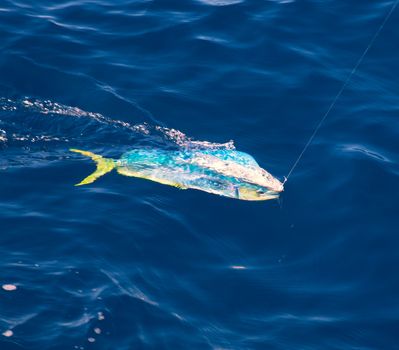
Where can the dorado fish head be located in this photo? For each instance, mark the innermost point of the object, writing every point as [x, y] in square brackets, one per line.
[258, 185]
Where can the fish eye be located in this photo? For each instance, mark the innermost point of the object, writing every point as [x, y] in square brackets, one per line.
[260, 192]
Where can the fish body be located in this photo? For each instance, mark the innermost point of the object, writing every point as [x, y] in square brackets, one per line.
[228, 173]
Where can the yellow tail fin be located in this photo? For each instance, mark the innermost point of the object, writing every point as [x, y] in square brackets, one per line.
[104, 165]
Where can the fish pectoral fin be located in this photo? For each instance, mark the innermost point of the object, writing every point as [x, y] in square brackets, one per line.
[103, 166]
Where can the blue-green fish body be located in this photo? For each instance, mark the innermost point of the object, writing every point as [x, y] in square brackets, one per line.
[228, 173]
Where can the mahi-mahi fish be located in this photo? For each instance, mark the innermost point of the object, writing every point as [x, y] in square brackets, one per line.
[224, 172]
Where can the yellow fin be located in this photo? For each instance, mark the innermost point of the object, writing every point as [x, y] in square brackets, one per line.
[104, 165]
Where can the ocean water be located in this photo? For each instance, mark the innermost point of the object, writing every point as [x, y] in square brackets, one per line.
[126, 263]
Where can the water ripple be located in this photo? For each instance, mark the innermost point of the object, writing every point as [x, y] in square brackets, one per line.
[129, 264]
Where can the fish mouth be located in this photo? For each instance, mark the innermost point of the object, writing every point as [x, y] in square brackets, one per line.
[264, 192]
[273, 194]
[267, 194]
[272, 187]
[276, 189]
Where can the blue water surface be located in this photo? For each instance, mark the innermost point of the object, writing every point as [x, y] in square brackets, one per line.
[127, 263]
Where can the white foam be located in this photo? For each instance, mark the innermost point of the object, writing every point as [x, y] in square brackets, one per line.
[9, 287]
[8, 333]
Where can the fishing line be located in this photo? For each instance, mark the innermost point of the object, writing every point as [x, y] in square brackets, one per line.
[344, 85]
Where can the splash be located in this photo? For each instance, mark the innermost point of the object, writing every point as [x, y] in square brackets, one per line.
[3, 136]
[183, 140]
[47, 107]
[35, 112]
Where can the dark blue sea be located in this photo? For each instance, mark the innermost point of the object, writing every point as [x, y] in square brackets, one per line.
[125, 263]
